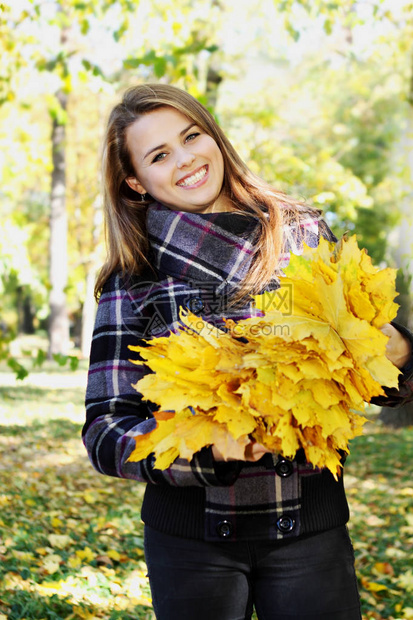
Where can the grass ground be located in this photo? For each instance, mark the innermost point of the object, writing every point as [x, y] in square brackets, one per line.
[71, 540]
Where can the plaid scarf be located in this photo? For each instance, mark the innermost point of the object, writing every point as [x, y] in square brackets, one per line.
[216, 248]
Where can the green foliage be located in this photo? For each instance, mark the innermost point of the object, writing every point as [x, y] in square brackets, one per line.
[332, 143]
[78, 70]
[64, 15]
[62, 360]
[323, 127]
[181, 49]
[40, 358]
[19, 370]
[25, 605]
[329, 14]
[173, 63]
[93, 68]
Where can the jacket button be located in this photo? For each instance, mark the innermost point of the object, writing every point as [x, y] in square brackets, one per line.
[224, 529]
[196, 305]
[284, 468]
[285, 524]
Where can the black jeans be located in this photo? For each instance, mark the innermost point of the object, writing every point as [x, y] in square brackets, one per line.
[310, 578]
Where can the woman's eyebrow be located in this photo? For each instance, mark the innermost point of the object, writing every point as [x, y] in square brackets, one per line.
[162, 146]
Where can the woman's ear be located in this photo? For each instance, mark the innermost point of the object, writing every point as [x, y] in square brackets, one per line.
[135, 185]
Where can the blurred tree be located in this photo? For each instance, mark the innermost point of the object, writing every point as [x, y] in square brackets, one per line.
[398, 18]
[72, 20]
[379, 114]
[172, 41]
[178, 55]
[327, 144]
[184, 50]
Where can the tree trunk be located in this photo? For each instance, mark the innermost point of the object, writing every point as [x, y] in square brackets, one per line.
[404, 248]
[58, 317]
[88, 313]
[397, 418]
[89, 304]
[214, 79]
[28, 315]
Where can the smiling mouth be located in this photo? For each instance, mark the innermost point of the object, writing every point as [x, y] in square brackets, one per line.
[195, 178]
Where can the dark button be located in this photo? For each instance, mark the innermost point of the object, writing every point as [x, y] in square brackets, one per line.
[224, 529]
[196, 305]
[285, 524]
[284, 468]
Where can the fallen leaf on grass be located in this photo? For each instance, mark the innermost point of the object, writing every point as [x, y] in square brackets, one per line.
[59, 541]
[85, 554]
[406, 581]
[103, 560]
[384, 568]
[373, 586]
[51, 563]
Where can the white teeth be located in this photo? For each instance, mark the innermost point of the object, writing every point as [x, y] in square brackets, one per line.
[193, 178]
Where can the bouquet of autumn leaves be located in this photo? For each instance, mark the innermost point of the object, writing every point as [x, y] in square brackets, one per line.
[287, 381]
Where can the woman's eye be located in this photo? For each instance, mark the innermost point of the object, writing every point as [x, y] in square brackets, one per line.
[158, 157]
[191, 136]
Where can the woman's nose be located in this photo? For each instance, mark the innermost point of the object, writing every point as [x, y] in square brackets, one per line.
[184, 158]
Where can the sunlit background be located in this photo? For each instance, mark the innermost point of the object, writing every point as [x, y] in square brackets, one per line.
[317, 96]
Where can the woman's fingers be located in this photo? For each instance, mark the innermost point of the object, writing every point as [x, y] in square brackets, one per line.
[253, 452]
[398, 348]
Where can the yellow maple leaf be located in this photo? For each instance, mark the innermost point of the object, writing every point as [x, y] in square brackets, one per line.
[284, 429]
[74, 562]
[237, 420]
[373, 586]
[85, 554]
[289, 381]
[114, 555]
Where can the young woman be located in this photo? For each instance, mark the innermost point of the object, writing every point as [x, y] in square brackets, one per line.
[188, 225]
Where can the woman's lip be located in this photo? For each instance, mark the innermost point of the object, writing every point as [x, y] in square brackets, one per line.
[190, 174]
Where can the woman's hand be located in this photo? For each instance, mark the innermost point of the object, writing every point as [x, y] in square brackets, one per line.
[253, 452]
[398, 348]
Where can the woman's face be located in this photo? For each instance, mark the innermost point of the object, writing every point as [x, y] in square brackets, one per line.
[176, 162]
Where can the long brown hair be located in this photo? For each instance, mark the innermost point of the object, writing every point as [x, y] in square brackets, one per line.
[125, 213]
